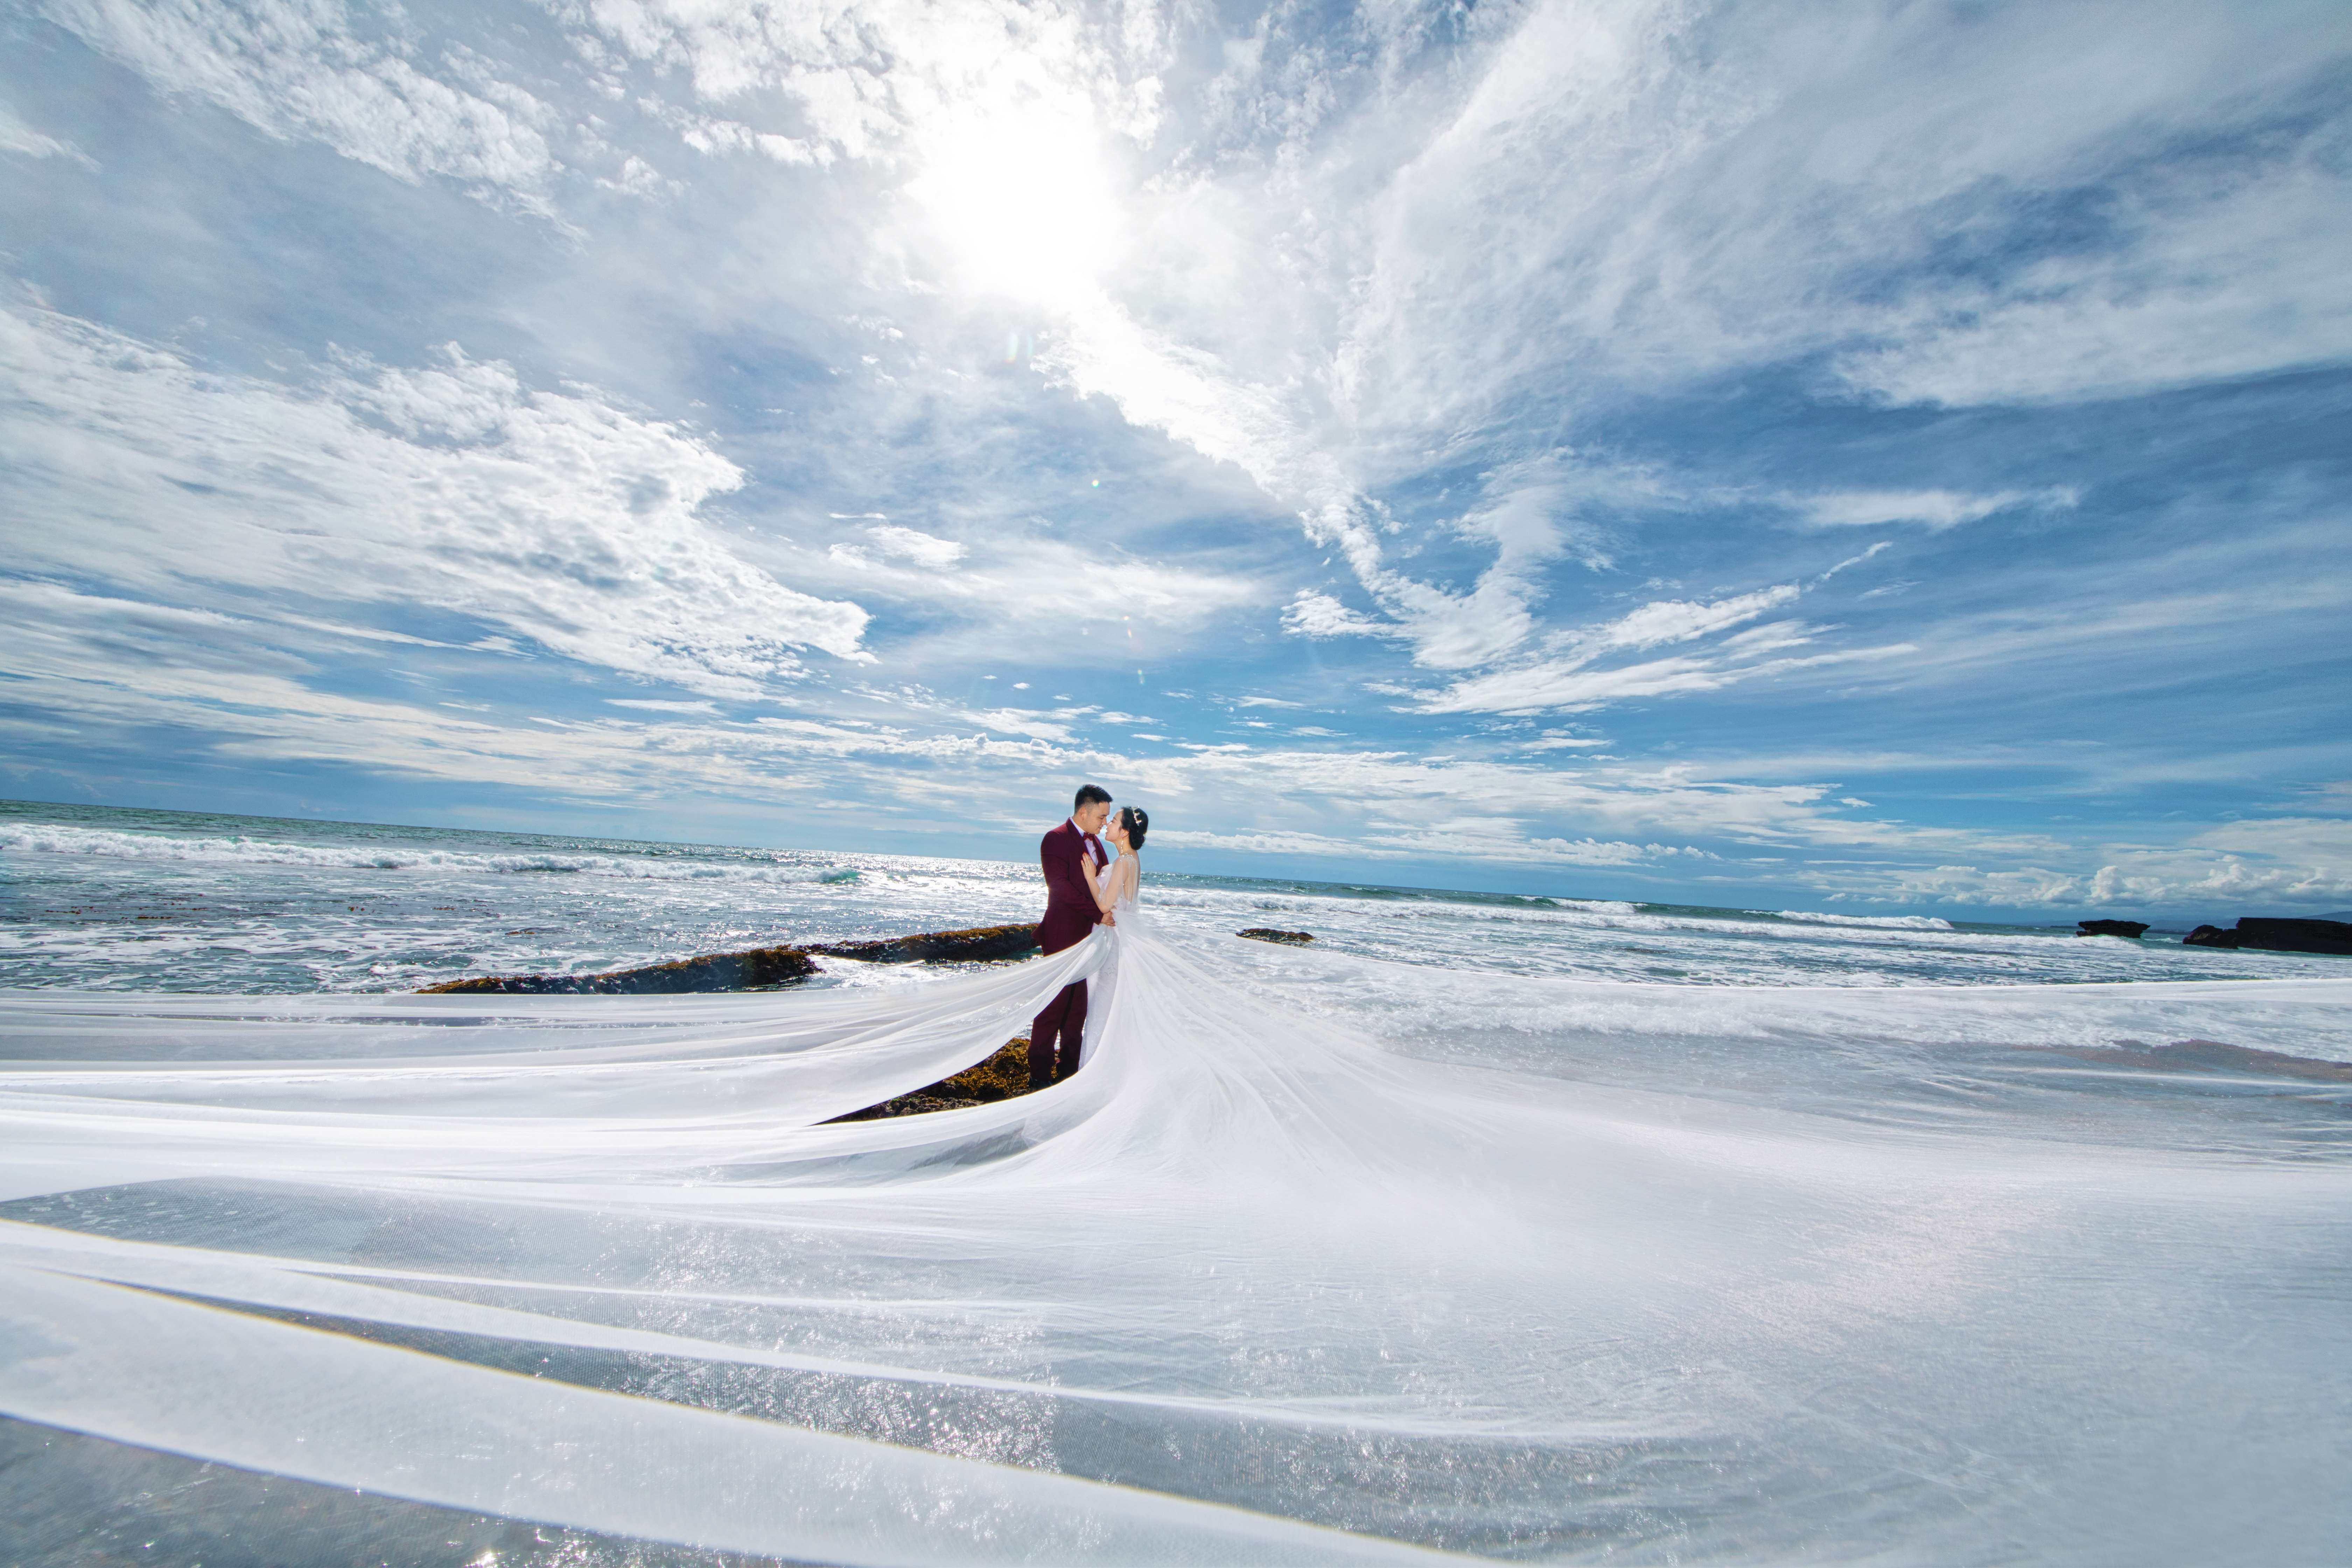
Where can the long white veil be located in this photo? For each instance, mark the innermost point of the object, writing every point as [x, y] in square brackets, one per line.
[1534, 1269]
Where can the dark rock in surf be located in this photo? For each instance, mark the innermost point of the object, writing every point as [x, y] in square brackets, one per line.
[977, 943]
[2277, 935]
[1004, 1076]
[2296, 935]
[753, 971]
[2134, 929]
[1288, 938]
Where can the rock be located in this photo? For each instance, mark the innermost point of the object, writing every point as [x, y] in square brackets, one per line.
[1004, 1076]
[2277, 935]
[760, 967]
[2296, 935]
[1288, 938]
[2111, 928]
[938, 946]
[750, 970]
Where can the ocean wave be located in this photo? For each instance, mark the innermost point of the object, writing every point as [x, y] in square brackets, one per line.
[57, 838]
[1878, 922]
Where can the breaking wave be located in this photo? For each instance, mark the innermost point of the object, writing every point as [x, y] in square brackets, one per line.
[52, 838]
[1878, 922]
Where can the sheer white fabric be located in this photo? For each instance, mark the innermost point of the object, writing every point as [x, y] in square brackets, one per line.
[1634, 1271]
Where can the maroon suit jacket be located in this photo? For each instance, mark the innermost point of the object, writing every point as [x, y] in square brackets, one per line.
[1070, 909]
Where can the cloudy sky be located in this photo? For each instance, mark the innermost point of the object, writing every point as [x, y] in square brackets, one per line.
[1879, 454]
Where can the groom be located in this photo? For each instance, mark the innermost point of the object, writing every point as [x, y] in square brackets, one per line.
[1070, 855]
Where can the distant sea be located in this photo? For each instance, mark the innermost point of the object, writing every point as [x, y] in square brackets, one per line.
[104, 898]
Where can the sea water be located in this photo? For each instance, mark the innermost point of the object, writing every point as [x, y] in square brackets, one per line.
[102, 897]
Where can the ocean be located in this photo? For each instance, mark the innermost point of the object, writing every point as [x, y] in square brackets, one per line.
[108, 898]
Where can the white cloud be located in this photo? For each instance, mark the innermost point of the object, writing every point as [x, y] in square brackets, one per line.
[292, 69]
[1567, 676]
[1580, 198]
[1935, 509]
[919, 549]
[110, 667]
[1676, 620]
[887, 81]
[1020, 579]
[2219, 885]
[17, 137]
[2234, 282]
[557, 517]
[1584, 206]
[1314, 615]
[1556, 688]
[660, 705]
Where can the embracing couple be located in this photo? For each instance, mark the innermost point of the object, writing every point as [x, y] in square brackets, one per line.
[1084, 887]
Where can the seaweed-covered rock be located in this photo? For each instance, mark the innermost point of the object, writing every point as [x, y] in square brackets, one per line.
[2134, 929]
[1004, 1076]
[938, 946]
[761, 967]
[750, 970]
[1288, 938]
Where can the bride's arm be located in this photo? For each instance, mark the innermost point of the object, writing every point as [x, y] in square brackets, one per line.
[1100, 884]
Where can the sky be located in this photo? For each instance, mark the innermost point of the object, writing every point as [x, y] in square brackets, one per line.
[1866, 456]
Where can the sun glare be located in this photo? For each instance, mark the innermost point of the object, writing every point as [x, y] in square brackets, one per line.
[1022, 207]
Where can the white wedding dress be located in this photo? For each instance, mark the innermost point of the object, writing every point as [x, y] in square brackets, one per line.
[1256, 1285]
[1128, 925]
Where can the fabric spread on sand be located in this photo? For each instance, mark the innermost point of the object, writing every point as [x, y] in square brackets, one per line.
[1317, 1258]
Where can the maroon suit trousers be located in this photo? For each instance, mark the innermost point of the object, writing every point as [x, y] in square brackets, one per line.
[1055, 1035]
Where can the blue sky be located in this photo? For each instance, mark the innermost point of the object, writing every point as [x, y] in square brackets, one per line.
[1869, 456]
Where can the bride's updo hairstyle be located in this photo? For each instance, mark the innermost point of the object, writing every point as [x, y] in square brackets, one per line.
[1137, 821]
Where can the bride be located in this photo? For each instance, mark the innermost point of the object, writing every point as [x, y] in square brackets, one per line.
[1117, 888]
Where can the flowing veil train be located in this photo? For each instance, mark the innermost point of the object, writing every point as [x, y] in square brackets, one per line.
[1265, 1281]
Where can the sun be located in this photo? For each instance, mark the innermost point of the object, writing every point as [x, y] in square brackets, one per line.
[1023, 206]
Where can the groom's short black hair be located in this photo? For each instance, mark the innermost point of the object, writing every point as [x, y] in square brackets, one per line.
[1090, 794]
